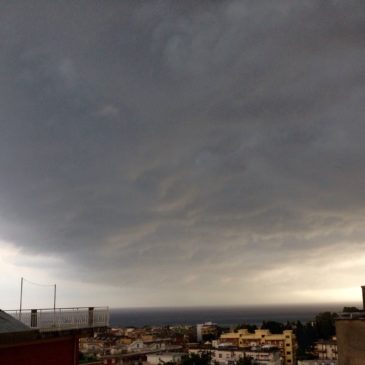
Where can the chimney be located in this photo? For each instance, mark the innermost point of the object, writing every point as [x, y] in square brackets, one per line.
[363, 297]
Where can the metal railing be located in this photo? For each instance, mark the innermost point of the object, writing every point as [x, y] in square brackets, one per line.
[351, 315]
[51, 319]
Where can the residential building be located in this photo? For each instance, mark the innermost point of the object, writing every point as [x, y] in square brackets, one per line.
[164, 357]
[285, 341]
[350, 334]
[317, 362]
[206, 331]
[326, 349]
[263, 355]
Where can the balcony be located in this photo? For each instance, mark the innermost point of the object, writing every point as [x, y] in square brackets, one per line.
[61, 319]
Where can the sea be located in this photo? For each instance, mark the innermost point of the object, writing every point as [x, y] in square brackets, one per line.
[228, 316]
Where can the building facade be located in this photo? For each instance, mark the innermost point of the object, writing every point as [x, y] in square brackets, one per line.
[165, 357]
[207, 329]
[229, 356]
[326, 349]
[285, 341]
[350, 334]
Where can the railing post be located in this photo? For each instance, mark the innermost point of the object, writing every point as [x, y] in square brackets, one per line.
[91, 316]
[33, 318]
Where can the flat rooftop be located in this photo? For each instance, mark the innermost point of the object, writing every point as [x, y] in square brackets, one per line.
[34, 324]
[351, 315]
[53, 319]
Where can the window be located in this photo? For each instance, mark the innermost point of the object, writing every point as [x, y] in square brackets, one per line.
[288, 361]
[288, 353]
[220, 356]
[288, 344]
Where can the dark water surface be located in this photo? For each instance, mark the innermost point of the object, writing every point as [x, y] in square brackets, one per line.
[225, 316]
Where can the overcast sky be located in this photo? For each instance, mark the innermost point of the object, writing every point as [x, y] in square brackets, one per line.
[157, 153]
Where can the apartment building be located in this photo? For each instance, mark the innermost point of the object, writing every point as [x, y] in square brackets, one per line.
[350, 334]
[263, 355]
[207, 329]
[285, 341]
[326, 349]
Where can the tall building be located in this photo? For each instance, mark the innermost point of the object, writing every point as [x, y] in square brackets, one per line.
[286, 341]
[350, 333]
[206, 330]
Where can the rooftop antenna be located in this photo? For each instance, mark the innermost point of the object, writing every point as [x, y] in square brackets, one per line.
[21, 294]
[21, 297]
[54, 297]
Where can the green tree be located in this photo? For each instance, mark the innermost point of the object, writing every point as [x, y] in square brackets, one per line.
[250, 327]
[203, 358]
[306, 336]
[273, 327]
[325, 325]
[351, 309]
[246, 360]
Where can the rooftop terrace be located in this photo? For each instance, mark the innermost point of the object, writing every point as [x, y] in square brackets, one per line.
[57, 319]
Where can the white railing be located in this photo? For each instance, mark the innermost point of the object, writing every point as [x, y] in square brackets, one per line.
[350, 315]
[63, 318]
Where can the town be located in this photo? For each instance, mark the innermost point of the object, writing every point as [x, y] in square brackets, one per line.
[204, 343]
[83, 335]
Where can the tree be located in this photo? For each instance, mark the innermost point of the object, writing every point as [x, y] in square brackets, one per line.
[325, 325]
[250, 327]
[273, 327]
[203, 358]
[306, 336]
[289, 325]
[351, 309]
[209, 337]
[246, 360]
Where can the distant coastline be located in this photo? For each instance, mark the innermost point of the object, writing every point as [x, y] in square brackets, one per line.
[223, 315]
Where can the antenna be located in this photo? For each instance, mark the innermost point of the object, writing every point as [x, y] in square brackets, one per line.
[32, 282]
[21, 297]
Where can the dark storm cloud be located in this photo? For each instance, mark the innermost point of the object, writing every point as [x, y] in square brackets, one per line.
[144, 140]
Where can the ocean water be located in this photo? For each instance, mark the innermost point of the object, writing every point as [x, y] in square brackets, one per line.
[224, 316]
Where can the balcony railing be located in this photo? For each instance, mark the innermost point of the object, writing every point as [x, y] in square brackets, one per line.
[63, 318]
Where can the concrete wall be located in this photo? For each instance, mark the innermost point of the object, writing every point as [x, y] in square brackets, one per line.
[60, 351]
[351, 341]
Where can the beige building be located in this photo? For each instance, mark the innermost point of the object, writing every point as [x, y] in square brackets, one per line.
[326, 349]
[350, 333]
[351, 341]
[286, 341]
[264, 355]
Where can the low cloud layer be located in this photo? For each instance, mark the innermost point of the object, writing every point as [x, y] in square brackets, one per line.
[186, 152]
